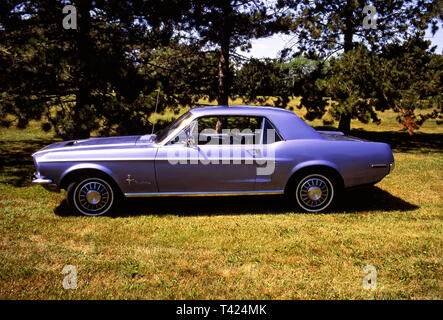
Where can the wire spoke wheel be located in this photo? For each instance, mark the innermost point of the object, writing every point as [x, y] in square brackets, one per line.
[93, 197]
[314, 193]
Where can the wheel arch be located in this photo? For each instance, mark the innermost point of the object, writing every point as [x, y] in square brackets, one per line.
[315, 167]
[76, 171]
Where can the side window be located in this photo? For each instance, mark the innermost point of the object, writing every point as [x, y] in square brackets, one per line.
[181, 137]
[209, 130]
[270, 135]
[228, 130]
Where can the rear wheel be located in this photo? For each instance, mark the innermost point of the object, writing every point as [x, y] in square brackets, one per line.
[314, 192]
[91, 196]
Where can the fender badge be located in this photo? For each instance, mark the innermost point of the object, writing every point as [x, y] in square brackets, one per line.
[129, 179]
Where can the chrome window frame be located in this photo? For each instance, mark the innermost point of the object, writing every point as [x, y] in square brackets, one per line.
[177, 130]
[274, 127]
[190, 121]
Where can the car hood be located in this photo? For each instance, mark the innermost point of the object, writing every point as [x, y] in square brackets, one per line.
[98, 143]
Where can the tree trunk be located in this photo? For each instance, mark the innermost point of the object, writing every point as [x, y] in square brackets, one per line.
[223, 74]
[81, 116]
[345, 124]
[223, 85]
[345, 119]
[349, 27]
[223, 88]
[223, 62]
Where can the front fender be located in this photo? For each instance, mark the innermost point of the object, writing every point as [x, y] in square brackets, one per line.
[90, 166]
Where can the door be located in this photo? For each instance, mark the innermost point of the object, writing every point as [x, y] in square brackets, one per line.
[214, 154]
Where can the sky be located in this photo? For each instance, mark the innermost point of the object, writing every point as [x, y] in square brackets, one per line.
[270, 47]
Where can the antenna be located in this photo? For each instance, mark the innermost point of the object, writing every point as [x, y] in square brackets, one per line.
[156, 105]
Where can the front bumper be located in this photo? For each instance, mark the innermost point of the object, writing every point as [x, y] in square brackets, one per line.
[48, 184]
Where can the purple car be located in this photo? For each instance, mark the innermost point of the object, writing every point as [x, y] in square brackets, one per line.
[214, 151]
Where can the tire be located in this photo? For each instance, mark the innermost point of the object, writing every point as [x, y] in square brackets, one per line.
[314, 192]
[92, 196]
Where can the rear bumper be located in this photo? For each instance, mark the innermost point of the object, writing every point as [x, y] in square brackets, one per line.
[391, 166]
[48, 184]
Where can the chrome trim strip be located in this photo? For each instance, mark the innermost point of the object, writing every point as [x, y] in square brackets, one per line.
[262, 134]
[96, 160]
[81, 147]
[250, 158]
[379, 165]
[204, 194]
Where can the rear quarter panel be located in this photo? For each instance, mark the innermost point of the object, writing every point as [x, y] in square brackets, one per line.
[352, 159]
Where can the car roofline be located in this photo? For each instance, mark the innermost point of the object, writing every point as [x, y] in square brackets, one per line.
[241, 109]
[283, 120]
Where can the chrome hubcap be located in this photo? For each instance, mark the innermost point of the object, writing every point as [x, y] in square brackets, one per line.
[313, 192]
[93, 196]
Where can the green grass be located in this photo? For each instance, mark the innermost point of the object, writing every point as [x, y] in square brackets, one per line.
[229, 248]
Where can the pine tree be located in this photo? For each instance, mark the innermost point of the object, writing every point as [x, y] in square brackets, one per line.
[228, 24]
[327, 27]
[405, 77]
[82, 77]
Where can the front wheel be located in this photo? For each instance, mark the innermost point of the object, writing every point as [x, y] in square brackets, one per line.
[91, 196]
[314, 192]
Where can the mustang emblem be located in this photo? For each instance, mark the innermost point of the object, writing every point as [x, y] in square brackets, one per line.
[129, 179]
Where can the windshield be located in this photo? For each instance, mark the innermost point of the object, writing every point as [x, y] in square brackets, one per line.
[163, 133]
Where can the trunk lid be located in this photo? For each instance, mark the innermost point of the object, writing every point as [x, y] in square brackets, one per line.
[337, 136]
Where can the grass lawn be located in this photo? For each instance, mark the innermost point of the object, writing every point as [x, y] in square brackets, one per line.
[229, 248]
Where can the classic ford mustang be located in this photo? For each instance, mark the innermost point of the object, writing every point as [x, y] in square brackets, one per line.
[214, 151]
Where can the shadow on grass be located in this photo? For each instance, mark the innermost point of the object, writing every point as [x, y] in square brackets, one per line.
[400, 141]
[16, 164]
[356, 200]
